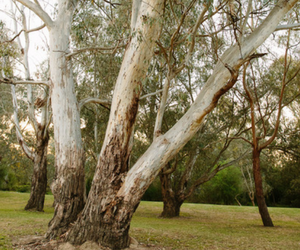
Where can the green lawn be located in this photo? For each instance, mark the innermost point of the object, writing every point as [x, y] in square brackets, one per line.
[199, 227]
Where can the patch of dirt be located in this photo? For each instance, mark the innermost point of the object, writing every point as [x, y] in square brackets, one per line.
[33, 242]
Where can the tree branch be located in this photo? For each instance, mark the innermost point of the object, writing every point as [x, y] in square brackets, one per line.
[16, 82]
[20, 138]
[27, 31]
[38, 11]
[151, 94]
[105, 103]
[207, 176]
[271, 139]
[288, 26]
[77, 51]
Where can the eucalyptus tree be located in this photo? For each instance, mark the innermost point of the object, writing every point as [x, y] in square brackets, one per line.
[68, 187]
[210, 151]
[266, 112]
[36, 152]
[116, 191]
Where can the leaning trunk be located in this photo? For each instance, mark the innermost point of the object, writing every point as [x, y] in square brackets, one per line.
[261, 203]
[171, 201]
[68, 186]
[39, 177]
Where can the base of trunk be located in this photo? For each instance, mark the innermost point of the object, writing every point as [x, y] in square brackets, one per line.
[39, 176]
[69, 202]
[109, 229]
[36, 202]
[261, 202]
[171, 209]
[38, 191]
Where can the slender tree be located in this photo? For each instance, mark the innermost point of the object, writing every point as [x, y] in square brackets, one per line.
[261, 139]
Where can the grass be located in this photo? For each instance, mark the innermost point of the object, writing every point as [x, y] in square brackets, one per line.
[199, 227]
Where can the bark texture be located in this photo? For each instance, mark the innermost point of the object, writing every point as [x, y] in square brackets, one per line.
[172, 200]
[115, 195]
[39, 177]
[68, 187]
[261, 202]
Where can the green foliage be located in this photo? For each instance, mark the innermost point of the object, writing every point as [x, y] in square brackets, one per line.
[8, 52]
[153, 193]
[223, 188]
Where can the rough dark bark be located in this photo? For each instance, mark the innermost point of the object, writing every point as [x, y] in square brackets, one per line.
[69, 195]
[39, 177]
[261, 203]
[172, 202]
[111, 227]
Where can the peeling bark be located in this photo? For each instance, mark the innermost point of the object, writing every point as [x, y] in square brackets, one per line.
[68, 186]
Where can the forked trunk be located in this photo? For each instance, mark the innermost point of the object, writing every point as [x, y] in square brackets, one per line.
[106, 217]
[261, 203]
[39, 177]
[171, 201]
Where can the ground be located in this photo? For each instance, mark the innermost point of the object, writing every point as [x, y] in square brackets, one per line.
[32, 242]
[199, 227]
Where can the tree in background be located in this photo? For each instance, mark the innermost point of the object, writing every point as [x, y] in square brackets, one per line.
[262, 131]
[37, 151]
[209, 152]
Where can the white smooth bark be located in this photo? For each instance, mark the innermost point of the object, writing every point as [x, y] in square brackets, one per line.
[29, 153]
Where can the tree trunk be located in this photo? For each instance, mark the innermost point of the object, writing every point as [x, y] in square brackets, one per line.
[39, 177]
[171, 201]
[106, 216]
[261, 203]
[68, 186]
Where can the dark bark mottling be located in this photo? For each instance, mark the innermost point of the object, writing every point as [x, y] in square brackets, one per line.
[171, 199]
[69, 196]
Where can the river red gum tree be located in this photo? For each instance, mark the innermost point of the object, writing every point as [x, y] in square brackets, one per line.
[68, 187]
[116, 193]
[260, 141]
[38, 152]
